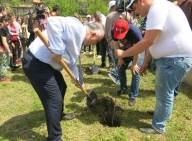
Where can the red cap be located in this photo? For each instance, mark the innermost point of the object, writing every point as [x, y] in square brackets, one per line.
[121, 27]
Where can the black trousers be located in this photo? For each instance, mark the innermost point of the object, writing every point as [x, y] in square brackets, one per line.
[14, 51]
[105, 51]
[50, 86]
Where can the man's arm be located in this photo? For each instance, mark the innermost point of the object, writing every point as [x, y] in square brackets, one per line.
[148, 40]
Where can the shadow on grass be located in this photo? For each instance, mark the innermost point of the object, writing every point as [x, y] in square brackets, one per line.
[22, 126]
[129, 118]
[186, 89]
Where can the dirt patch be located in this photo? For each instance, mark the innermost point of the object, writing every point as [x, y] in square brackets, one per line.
[104, 108]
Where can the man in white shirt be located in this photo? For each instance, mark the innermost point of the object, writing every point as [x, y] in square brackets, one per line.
[66, 36]
[168, 40]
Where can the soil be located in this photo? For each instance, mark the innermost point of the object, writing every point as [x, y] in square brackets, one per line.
[104, 108]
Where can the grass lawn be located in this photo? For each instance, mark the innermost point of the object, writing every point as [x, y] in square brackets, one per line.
[22, 117]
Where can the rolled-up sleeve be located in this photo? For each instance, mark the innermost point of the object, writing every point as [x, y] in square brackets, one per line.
[54, 31]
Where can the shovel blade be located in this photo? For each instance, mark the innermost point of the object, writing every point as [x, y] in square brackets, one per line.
[91, 98]
[95, 69]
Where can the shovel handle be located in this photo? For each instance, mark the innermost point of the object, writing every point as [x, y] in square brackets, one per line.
[62, 62]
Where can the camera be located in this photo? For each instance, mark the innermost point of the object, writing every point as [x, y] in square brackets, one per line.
[40, 11]
[121, 5]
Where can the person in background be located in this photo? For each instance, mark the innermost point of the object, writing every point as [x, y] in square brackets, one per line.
[102, 45]
[66, 36]
[110, 19]
[14, 29]
[165, 40]
[108, 24]
[5, 52]
[3, 10]
[85, 23]
[56, 10]
[19, 20]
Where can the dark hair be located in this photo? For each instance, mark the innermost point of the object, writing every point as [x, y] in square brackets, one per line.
[20, 17]
[5, 18]
[56, 7]
[2, 8]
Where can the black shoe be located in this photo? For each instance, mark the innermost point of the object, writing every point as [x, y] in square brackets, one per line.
[149, 130]
[119, 92]
[103, 65]
[15, 67]
[151, 112]
[68, 116]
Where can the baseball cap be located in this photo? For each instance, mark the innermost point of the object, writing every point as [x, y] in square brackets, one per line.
[111, 3]
[121, 27]
[130, 3]
[88, 16]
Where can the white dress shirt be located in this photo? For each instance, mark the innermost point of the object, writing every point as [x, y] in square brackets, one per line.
[65, 35]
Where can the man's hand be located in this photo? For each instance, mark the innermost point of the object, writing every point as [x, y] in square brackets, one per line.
[119, 53]
[120, 63]
[78, 86]
[55, 57]
[135, 69]
[143, 69]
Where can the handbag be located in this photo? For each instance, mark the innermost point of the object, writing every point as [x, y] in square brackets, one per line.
[22, 37]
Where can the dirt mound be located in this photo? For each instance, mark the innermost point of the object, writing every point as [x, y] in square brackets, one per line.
[104, 108]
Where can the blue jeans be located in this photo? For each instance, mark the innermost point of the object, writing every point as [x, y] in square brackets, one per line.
[135, 77]
[169, 72]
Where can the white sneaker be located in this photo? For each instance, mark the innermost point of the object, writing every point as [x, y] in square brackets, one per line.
[90, 52]
[83, 52]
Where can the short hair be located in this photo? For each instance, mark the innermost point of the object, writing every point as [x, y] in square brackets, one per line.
[5, 18]
[56, 7]
[97, 14]
[11, 14]
[2, 8]
[94, 26]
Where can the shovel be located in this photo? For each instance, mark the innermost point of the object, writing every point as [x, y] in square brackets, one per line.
[91, 96]
[95, 69]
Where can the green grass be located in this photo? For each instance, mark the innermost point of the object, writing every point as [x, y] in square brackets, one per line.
[22, 116]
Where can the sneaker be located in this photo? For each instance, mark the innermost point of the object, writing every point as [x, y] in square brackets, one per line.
[114, 78]
[119, 92]
[149, 130]
[132, 101]
[83, 52]
[98, 56]
[90, 52]
[5, 79]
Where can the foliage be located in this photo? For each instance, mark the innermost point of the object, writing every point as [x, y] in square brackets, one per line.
[68, 7]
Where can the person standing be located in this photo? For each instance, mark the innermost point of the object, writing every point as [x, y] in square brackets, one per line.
[165, 40]
[66, 36]
[102, 45]
[14, 28]
[5, 52]
[56, 10]
[85, 23]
